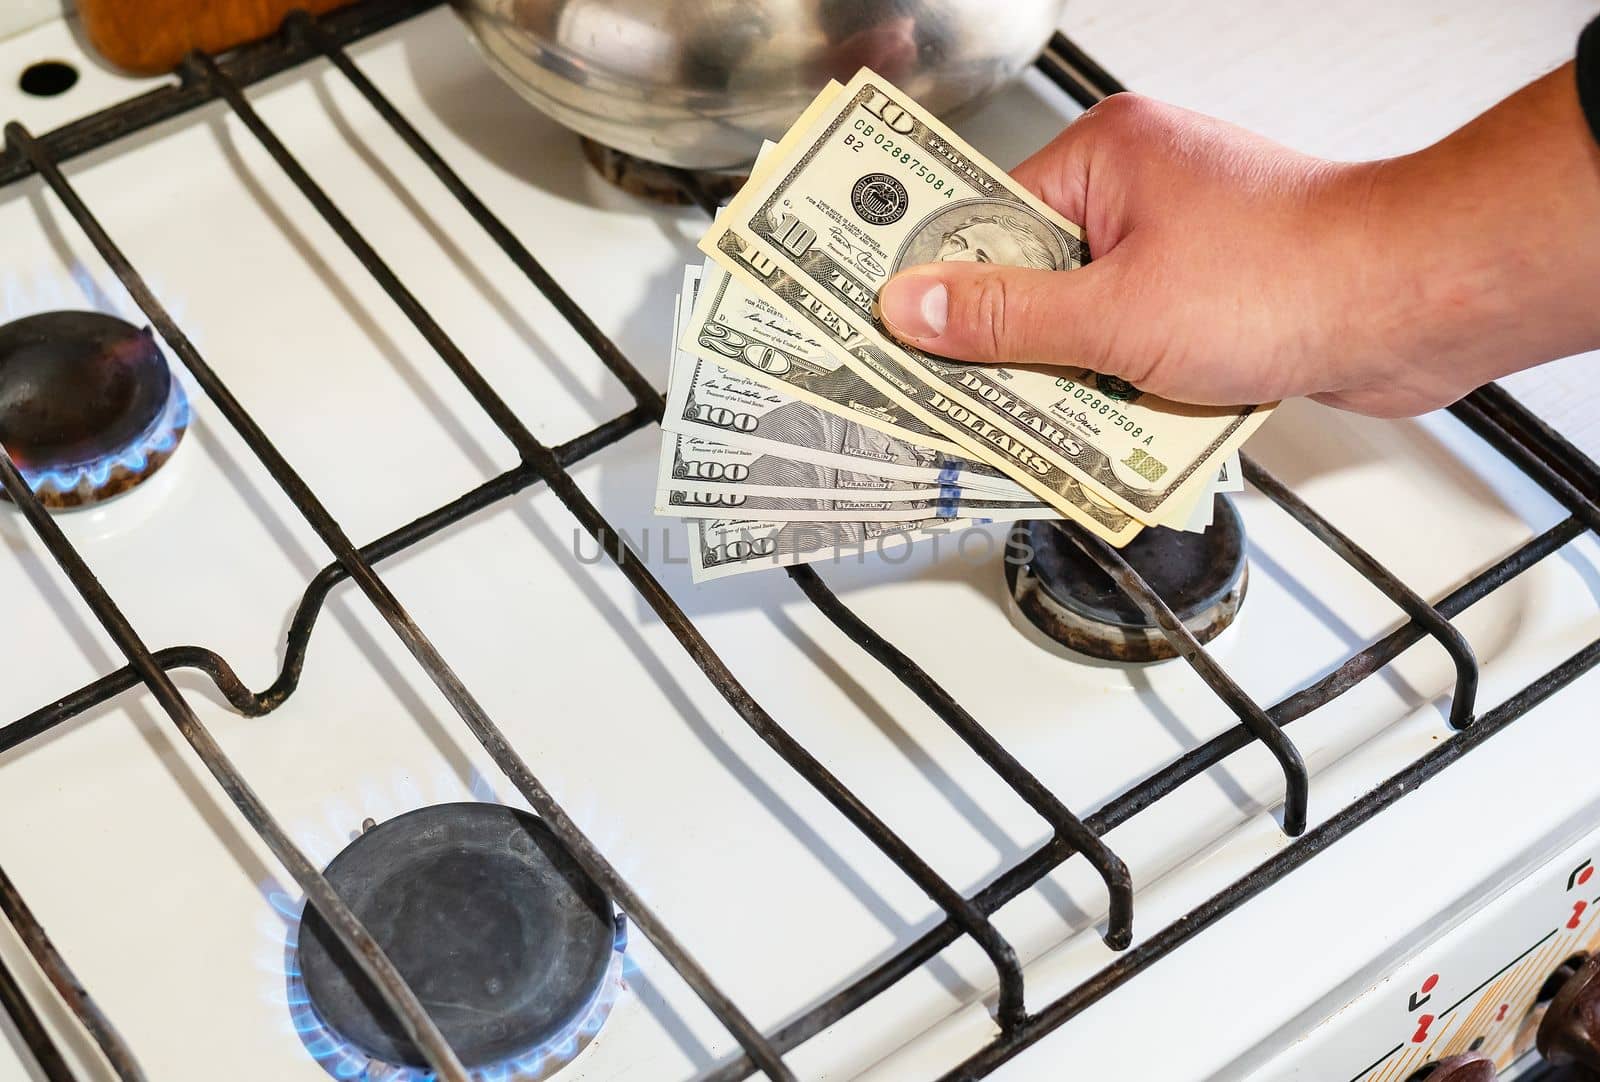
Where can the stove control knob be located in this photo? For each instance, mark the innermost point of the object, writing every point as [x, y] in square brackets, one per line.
[1570, 1031]
[1468, 1067]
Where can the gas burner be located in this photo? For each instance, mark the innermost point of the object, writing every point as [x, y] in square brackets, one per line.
[1063, 593]
[513, 951]
[652, 180]
[88, 406]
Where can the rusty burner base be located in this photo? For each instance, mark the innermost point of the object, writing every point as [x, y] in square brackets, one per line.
[119, 480]
[1063, 593]
[657, 182]
[88, 406]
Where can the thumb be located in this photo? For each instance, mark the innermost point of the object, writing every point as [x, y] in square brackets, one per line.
[998, 314]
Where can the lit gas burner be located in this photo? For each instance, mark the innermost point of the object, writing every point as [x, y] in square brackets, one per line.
[1063, 593]
[652, 180]
[88, 406]
[513, 951]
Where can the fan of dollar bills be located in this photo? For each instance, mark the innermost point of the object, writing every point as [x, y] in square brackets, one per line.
[797, 428]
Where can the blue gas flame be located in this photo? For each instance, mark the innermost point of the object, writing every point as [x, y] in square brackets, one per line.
[158, 439]
[19, 299]
[345, 1061]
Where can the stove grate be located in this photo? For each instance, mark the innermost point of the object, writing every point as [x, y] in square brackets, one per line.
[1572, 479]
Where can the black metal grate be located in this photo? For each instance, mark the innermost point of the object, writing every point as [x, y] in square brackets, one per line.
[1570, 477]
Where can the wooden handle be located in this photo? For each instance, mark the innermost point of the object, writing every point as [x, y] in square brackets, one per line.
[150, 37]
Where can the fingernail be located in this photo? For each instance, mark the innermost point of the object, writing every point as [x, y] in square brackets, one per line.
[915, 306]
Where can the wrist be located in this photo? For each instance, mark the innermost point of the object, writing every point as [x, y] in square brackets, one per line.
[1381, 291]
[1481, 250]
[1441, 280]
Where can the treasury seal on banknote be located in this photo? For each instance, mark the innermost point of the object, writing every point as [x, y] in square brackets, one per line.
[985, 231]
[1119, 389]
[879, 199]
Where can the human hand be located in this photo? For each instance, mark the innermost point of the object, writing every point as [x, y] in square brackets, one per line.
[1229, 269]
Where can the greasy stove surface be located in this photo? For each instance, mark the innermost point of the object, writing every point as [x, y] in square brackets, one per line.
[776, 895]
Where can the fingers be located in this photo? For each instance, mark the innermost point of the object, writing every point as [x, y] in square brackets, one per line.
[1059, 171]
[1012, 315]
[1009, 315]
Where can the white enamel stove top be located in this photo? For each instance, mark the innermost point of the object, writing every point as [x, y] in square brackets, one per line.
[163, 901]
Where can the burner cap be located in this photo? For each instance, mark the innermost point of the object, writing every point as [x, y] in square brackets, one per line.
[88, 406]
[1065, 594]
[502, 937]
[654, 181]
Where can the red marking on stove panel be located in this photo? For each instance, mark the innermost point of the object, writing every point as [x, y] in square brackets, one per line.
[1584, 870]
[1585, 875]
[1422, 1029]
[1577, 914]
[1501, 1017]
[1420, 997]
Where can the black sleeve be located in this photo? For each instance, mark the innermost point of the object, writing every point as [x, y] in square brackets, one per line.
[1588, 68]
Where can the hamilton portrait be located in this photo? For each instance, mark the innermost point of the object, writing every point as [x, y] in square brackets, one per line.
[984, 231]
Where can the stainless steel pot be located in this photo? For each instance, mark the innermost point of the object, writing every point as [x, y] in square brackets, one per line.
[699, 83]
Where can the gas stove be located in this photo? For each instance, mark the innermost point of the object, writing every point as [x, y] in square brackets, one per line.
[360, 719]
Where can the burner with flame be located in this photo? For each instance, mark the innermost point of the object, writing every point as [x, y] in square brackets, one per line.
[88, 406]
[1065, 594]
[512, 950]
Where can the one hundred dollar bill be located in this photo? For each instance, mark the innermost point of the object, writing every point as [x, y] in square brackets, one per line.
[835, 505]
[712, 465]
[868, 184]
[722, 547]
[708, 402]
[699, 504]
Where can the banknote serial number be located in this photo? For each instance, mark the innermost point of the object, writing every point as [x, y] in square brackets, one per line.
[1096, 404]
[871, 133]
